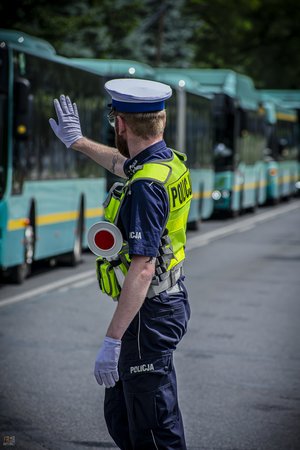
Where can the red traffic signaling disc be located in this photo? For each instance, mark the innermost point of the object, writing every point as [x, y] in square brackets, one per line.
[105, 239]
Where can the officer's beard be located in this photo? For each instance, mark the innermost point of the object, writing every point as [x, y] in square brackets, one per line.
[121, 143]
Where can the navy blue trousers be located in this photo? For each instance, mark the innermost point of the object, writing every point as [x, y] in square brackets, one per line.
[141, 410]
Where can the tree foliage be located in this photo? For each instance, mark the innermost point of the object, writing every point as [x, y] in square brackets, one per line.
[91, 28]
[161, 39]
[260, 38]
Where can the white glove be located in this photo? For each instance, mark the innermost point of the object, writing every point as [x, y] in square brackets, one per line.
[68, 129]
[106, 364]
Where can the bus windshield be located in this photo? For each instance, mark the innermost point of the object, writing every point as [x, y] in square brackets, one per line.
[3, 119]
[224, 124]
[224, 141]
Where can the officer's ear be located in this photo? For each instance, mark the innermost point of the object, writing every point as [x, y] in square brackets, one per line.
[121, 125]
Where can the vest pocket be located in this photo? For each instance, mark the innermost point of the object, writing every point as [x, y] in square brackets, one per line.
[111, 212]
[112, 203]
[107, 279]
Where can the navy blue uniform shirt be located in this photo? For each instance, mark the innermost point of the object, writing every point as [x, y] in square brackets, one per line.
[145, 210]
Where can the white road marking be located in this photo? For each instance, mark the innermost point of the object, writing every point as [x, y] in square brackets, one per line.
[46, 288]
[79, 284]
[63, 289]
[247, 227]
[241, 226]
[86, 282]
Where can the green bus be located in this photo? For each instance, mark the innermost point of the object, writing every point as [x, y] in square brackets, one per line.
[239, 140]
[49, 195]
[284, 126]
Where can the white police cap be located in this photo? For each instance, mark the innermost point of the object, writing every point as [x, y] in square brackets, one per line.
[134, 95]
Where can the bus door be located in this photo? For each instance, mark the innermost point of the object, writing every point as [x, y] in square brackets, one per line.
[3, 123]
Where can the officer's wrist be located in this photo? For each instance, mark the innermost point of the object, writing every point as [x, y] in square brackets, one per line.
[112, 340]
[80, 144]
[114, 334]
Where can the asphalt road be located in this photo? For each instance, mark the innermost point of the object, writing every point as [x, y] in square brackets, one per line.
[238, 366]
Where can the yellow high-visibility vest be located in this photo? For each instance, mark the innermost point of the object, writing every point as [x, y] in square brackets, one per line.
[174, 177]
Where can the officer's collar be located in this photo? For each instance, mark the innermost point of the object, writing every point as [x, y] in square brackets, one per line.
[139, 159]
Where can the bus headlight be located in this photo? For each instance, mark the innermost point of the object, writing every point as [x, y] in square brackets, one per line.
[216, 195]
[225, 193]
[297, 184]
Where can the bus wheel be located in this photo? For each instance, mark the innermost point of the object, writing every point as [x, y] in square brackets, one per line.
[18, 274]
[233, 213]
[21, 271]
[274, 201]
[75, 255]
[252, 208]
[194, 225]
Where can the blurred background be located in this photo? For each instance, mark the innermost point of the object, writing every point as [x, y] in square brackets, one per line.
[259, 38]
[238, 367]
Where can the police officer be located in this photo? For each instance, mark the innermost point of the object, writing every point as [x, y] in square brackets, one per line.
[135, 362]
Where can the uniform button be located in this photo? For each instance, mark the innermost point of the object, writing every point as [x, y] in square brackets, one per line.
[166, 368]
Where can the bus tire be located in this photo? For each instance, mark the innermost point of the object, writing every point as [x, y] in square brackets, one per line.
[194, 225]
[274, 201]
[75, 255]
[233, 213]
[18, 274]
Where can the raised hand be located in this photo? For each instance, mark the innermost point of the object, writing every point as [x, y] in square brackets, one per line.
[68, 129]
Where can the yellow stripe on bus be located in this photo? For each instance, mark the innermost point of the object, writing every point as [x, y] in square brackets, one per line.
[236, 188]
[206, 194]
[263, 183]
[48, 219]
[285, 179]
[93, 212]
[16, 224]
[286, 116]
[239, 187]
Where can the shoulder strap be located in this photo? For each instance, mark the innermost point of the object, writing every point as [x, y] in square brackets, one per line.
[181, 156]
[159, 172]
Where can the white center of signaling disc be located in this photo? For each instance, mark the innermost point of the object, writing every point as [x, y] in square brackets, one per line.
[105, 239]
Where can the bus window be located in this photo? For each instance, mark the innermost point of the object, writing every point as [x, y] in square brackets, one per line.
[287, 149]
[41, 156]
[22, 108]
[23, 160]
[198, 135]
